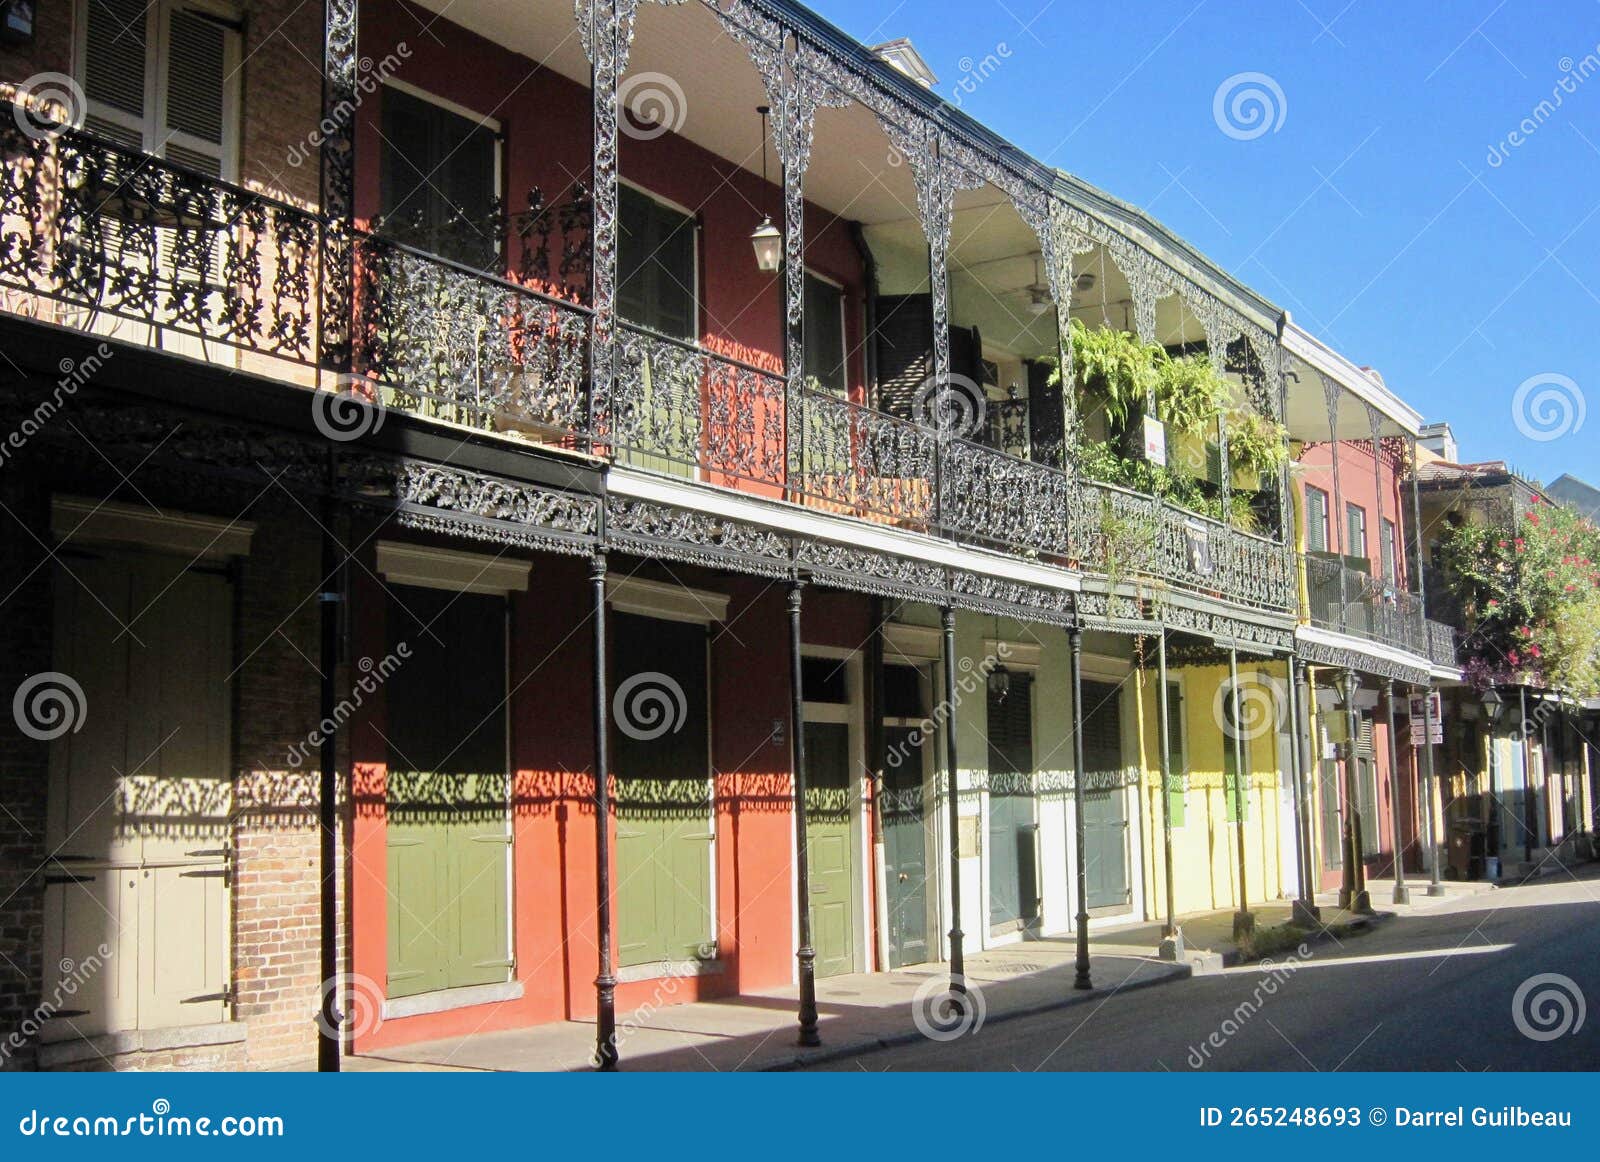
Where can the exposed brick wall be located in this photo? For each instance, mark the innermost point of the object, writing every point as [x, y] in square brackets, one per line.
[281, 88]
[25, 625]
[276, 894]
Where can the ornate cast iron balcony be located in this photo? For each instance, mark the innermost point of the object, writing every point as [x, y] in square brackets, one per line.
[1443, 648]
[117, 243]
[1357, 603]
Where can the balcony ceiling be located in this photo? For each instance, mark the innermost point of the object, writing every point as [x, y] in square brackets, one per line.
[854, 173]
[1308, 410]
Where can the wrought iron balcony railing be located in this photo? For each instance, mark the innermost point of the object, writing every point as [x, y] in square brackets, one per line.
[1443, 644]
[1355, 602]
[115, 242]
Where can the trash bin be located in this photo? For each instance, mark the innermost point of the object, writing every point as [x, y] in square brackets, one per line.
[1466, 855]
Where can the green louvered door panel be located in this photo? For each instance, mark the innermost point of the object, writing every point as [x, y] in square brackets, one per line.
[831, 869]
[447, 792]
[663, 801]
[1105, 804]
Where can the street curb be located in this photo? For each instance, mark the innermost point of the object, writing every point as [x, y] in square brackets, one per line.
[1358, 926]
[910, 1037]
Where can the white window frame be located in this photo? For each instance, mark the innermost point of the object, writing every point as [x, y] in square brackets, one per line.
[844, 323]
[151, 127]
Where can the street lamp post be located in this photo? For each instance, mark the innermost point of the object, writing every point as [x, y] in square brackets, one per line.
[1494, 708]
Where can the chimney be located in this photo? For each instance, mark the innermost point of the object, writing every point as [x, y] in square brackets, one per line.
[1440, 440]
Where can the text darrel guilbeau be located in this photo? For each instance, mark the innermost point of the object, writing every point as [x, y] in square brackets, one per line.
[1482, 1116]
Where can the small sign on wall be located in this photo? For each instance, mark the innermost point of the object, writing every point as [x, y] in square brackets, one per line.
[970, 831]
[1155, 441]
[1419, 722]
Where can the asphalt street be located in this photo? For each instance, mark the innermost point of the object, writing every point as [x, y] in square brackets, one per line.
[1500, 981]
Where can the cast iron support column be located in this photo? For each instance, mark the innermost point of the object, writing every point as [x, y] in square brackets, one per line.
[958, 979]
[605, 981]
[1402, 894]
[1429, 791]
[1305, 908]
[806, 955]
[1081, 978]
[1330, 397]
[1530, 799]
[1353, 895]
[1172, 938]
[329, 1033]
[1244, 921]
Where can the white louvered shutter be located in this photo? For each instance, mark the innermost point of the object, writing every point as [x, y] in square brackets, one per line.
[199, 67]
[116, 70]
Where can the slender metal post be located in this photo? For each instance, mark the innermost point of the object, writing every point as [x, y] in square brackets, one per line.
[958, 980]
[1305, 908]
[1402, 894]
[1430, 791]
[806, 954]
[1530, 800]
[330, 600]
[1244, 922]
[1081, 978]
[1172, 946]
[1353, 894]
[605, 981]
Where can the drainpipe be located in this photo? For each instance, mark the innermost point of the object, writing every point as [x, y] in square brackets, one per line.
[1306, 911]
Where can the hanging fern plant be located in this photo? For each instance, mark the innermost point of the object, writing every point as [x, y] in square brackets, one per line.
[1115, 368]
[1190, 392]
[1256, 444]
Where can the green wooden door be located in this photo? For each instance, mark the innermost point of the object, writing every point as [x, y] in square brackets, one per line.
[1105, 804]
[905, 855]
[828, 848]
[447, 792]
[662, 744]
[1013, 856]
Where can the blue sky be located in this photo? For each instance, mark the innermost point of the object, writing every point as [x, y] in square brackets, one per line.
[1372, 211]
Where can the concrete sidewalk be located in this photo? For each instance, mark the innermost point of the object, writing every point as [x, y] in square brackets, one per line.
[1208, 936]
[859, 1012]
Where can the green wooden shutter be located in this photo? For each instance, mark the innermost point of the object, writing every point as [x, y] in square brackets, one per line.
[903, 336]
[663, 799]
[1176, 760]
[1316, 520]
[656, 266]
[447, 792]
[437, 180]
[1010, 728]
[824, 334]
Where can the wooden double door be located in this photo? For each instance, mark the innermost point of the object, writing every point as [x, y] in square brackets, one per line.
[138, 886]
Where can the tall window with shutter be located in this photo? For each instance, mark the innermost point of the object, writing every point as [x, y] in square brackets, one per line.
[163, 77]
[1316, 520]
[439, 179]
[1386, 542]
